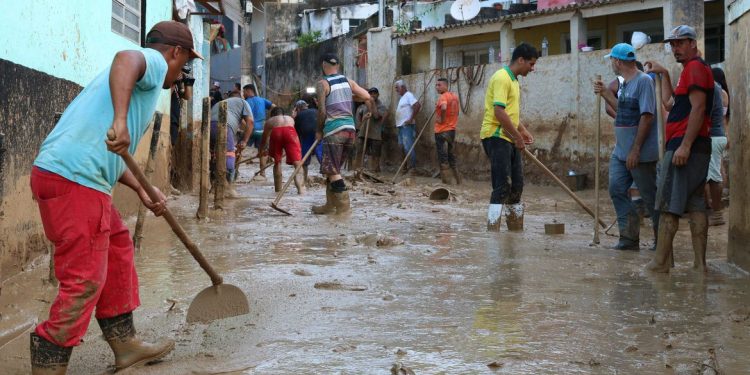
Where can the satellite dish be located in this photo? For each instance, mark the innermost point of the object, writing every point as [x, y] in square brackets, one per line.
[464, 10]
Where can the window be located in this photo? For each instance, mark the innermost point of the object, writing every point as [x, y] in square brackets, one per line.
[714, 43]
[594, 38]
[476, 57]
[467, 54]
[126, 19]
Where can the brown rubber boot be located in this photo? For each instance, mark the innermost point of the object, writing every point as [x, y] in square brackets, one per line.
[457, 176]
[341, 202]
[663, 259]
[699, 236]
[230, 192]
[48, 358]
[328, 207]
[129, 350]
[446, 174]
[514, 217]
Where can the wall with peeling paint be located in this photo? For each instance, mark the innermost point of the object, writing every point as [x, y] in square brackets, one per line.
[48, 52]
[557, 105]
[286, 85]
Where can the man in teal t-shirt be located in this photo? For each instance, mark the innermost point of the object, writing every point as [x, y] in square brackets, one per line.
[72, 181]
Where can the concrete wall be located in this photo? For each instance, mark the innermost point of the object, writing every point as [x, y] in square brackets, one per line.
[284, 26]
[738, 79]
[50, 50]
[69, 39]
[286, 84]
[564, 135]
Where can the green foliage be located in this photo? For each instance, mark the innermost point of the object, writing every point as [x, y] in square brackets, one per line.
[308, 39]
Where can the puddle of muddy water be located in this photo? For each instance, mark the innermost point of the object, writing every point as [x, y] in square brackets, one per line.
[448, 297]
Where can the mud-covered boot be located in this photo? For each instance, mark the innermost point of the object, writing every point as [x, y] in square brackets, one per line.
[48, 358]
[230, 192]
[629, 233]
[130, 351]
[341, 202]
[446, 174]
[514, 217]
[699, 236]
[328, 207]
[457, 176]
[494, 213]
[663, 258]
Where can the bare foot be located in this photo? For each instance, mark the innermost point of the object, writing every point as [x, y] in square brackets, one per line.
[652, 266]
[700, 268]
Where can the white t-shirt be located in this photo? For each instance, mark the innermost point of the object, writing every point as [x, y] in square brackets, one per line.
[405, 110]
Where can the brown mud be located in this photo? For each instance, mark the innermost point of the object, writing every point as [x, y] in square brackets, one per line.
[408, 284]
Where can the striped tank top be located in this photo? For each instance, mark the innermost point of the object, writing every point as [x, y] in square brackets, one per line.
[338, 105]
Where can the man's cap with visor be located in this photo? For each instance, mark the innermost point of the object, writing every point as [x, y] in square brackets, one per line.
[330, 58]
[681, 32]
[173, 33]
[622, 51]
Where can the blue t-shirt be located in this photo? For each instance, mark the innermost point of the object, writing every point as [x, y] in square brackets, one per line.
[75, 148]
[259, 106]
[637, 97]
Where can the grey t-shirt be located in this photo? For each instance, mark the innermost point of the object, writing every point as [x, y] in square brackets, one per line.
[717, 113]
[237, 108]
[637, 97]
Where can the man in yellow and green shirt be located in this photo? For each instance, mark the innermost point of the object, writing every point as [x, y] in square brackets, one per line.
[504, 137]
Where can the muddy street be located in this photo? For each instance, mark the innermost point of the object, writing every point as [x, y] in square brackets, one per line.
[408, 283]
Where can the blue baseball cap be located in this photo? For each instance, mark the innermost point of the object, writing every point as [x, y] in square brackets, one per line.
[622, 51]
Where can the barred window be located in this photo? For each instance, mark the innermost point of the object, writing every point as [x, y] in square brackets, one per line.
[126, 19]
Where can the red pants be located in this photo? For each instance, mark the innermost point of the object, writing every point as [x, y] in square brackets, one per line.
[284, 138]
[93, 257]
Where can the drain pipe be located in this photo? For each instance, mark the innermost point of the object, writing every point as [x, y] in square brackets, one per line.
[381, 13]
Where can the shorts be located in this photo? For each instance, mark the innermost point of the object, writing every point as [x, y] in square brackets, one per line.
[336, 150]
[318, 152]
[718, 145]
[255, 139]
[285, 139]
[680, 189]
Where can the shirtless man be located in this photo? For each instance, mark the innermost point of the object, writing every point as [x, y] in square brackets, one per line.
[279, 131]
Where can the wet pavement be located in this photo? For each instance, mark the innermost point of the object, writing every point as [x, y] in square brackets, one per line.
[418, 284]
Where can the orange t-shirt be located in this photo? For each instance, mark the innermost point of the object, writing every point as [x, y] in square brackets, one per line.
[451, 112]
